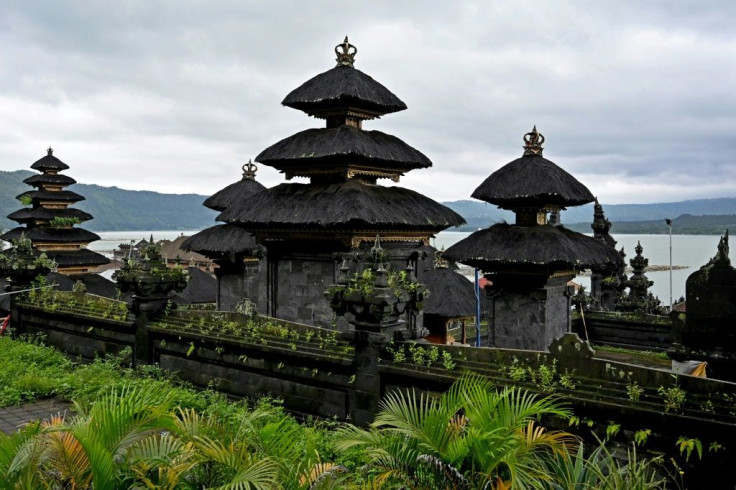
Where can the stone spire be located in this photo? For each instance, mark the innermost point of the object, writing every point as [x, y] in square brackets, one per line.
[639, 283]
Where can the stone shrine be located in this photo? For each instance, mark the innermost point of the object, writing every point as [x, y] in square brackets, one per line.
[709, 331]
[531, 261]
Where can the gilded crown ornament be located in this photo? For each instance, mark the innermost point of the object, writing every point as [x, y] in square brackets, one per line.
[249, 170]
[439, 261]
[533, 142]
[345, 53]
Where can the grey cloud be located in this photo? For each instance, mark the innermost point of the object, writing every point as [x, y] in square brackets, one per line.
[183, 92]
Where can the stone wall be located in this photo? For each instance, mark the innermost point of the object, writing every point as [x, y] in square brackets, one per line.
[626, 330]
[74, 333]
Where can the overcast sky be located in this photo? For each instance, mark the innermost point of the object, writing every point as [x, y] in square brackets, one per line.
[636, 99]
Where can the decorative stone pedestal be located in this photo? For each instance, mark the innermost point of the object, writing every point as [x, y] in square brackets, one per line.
[151, 282]
[376, 304]
[20, 265]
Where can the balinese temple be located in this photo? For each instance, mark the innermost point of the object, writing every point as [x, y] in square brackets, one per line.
[607, 284]
[50, 223]
[240, 273]
[530, 262]
[306, 226]
[451, 305]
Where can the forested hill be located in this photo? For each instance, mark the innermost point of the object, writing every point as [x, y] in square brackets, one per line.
[117, 209]
[120, 209]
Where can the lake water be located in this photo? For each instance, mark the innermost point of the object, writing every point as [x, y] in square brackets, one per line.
[692, 251]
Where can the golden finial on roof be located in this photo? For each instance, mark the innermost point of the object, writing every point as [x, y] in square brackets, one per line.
[439, 261]
[533, 142]
[249, 171]
[345, 53]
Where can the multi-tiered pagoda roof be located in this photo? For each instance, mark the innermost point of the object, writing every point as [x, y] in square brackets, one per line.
[50, 223]
[227, 240]
[532, 186]
[343, 162]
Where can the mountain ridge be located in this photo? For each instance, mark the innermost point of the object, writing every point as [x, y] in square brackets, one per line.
[116, 209]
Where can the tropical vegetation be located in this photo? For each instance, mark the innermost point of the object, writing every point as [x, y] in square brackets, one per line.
[145, 429]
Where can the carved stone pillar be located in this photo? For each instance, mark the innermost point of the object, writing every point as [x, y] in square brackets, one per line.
[376, 301]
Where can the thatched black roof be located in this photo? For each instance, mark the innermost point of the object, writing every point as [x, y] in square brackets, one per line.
[201, 288]
[49, 162]
[343, 87]
[41, 213]
[241, 190]
[503, 246]
[65, 196]
[349, 205]
[450, 294]
[93, 283]
[330, 147]
[56, 179]
[532, 181]
[71, 258]
[49, 234]
[221, 240]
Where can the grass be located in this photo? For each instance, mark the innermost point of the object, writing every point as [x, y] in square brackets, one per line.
[633, 352]
[32, 371]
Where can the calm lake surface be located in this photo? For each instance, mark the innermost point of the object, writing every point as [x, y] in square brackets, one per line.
[692, 251]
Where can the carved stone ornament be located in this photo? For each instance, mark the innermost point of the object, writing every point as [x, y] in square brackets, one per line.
[21, 264]
[150, 280]
[375, 304]
[570, 347]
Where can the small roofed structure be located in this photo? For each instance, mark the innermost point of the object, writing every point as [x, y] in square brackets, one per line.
[450, 303]
[531, 261]
[173, 254]
[305, 226]
[50, 223]
[234, 250]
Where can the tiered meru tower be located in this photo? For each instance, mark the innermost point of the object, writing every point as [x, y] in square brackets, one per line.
[49, 222]
[530, 262]
[342, 208]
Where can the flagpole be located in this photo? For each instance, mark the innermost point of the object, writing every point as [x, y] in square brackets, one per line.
[669, 223]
